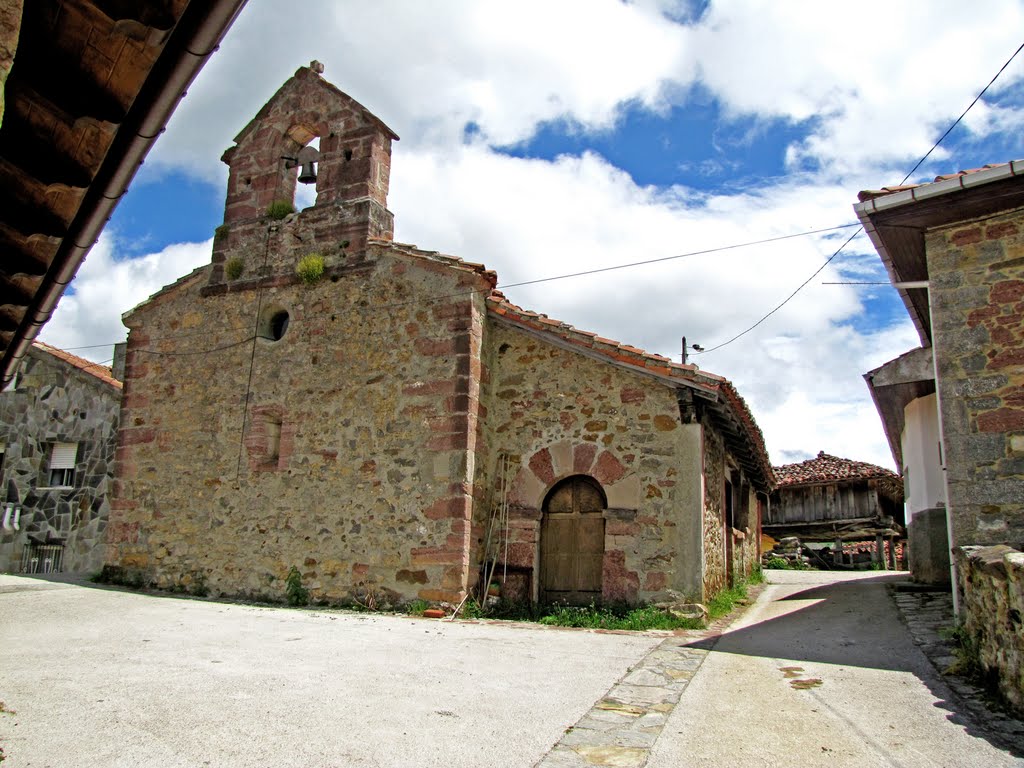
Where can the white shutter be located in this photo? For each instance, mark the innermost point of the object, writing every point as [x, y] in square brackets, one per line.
[63, 456]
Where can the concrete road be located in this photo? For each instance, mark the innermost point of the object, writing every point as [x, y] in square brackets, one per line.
[106, 678]
[820, 672]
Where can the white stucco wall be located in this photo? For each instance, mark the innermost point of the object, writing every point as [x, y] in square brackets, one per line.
[922, 460]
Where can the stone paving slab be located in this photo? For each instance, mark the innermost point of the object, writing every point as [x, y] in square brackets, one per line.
[621, 728]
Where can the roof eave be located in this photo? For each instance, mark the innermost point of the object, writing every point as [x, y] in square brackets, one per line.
[886, 216]
[194, 40]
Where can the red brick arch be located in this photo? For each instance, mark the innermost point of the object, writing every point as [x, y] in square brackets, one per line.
[547, 466]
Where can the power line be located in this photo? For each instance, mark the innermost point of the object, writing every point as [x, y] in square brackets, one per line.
[786, 300]
[850, 239]
[962, 114]
[443, 297]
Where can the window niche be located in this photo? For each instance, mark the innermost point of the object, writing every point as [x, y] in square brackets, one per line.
[273, 323]
[263, 441]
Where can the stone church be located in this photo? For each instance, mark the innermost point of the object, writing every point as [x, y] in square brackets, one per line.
[384, 420]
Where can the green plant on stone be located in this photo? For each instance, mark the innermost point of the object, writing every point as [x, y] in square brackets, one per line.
[199, 588]
[295, 593]
[234, 267]
[417, 607]
[470, 609]
[278, 209]
[965, 648]
[636, 619]
[310, 268]
[723, 603]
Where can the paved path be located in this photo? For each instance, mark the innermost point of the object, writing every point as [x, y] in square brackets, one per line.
[819, 672]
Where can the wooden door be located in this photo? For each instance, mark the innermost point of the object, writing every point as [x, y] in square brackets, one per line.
[572, 543]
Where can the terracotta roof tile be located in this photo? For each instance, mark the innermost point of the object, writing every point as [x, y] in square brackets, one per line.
[870, 194]
[101, 372]
[825, 468]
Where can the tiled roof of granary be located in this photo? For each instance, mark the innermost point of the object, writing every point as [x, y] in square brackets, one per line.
[824, 468]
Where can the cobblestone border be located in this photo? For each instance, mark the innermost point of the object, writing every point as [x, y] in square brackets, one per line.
[926, 614]
[622, 727]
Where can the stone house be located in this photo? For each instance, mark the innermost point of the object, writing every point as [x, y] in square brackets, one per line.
[954, 249]
[383, 419]
[834, 499]
[58, 429]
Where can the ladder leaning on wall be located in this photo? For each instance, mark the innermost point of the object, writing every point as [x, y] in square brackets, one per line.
[497, 526]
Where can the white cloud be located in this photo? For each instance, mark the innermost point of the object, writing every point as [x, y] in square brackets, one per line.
[107, 286]
[880, 81]
[874, 82]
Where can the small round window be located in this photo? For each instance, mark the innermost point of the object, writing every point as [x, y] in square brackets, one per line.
[273, 323]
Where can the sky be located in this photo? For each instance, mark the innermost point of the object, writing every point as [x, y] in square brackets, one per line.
[551, 137]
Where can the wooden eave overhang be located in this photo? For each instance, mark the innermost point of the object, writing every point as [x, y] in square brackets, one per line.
[896, 220]
[92, 86]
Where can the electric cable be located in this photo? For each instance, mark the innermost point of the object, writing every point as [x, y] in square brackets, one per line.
[860, 229]
[459, 294]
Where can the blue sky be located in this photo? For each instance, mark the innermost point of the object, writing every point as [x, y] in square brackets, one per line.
[544, 138]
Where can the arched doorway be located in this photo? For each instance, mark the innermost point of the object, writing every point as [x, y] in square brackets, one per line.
[572, 542]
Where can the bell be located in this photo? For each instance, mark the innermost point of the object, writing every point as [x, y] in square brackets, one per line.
[307, 173]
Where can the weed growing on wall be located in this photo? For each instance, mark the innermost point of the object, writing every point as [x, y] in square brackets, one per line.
[965, 648]
[310, 268]
[278, 209]
[234, 267]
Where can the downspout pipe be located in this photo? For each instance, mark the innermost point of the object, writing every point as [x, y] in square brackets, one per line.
[195, 38]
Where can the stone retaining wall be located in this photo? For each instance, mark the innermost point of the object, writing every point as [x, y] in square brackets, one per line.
[991, 581]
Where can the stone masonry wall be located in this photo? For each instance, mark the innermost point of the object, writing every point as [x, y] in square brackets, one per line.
[369, 391]
[56, 403]
[715, 575]
[991, 582]
[977, 294]
[559, 413]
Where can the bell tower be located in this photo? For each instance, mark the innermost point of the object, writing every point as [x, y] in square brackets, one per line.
[262, 235]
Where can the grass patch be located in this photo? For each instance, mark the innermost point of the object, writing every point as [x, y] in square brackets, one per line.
[723, 603]
[634, 619]
[782, 564]
[417, 607]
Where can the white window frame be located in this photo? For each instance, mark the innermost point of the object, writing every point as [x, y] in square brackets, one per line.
[61, 473]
